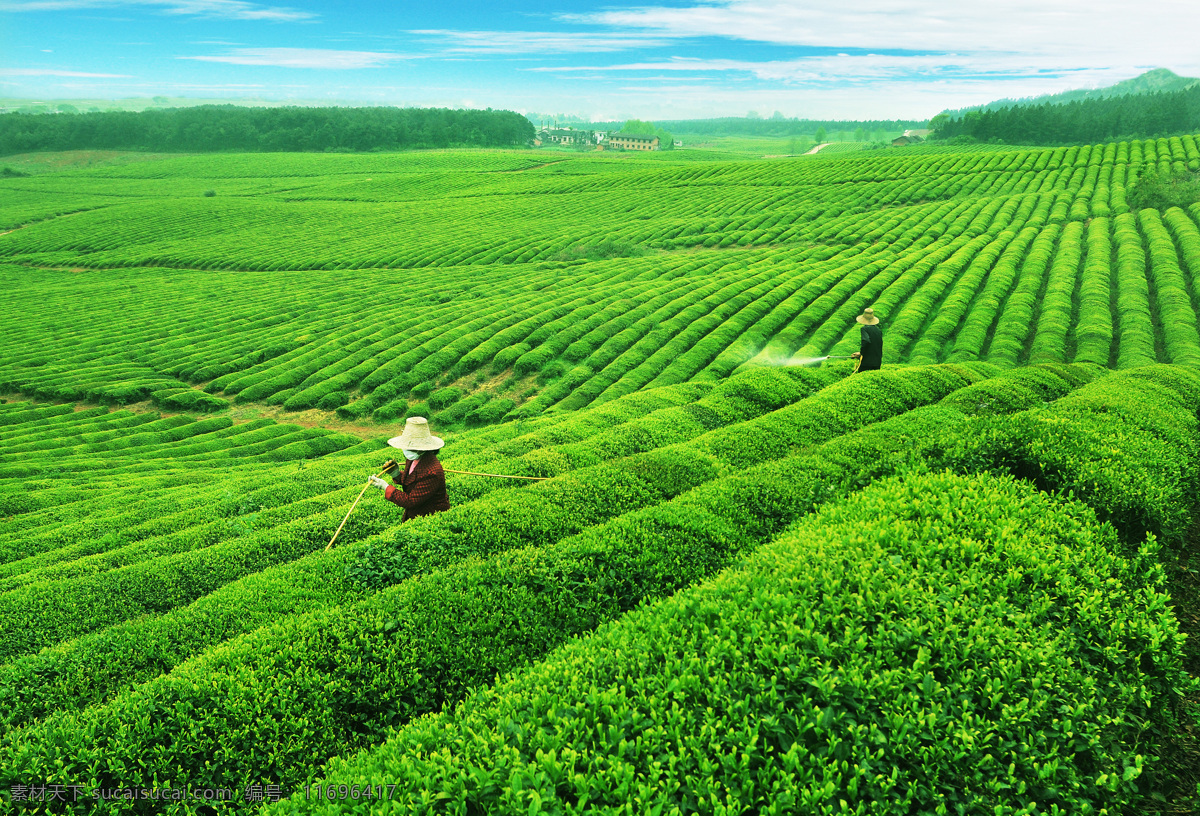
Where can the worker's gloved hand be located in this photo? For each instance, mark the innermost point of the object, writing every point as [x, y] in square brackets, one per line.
[856, 355]
[377, 482]
[390, 467]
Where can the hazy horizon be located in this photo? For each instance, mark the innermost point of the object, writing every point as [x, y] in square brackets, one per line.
[675, 59]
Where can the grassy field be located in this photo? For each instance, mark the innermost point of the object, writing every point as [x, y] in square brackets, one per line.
[961, 584]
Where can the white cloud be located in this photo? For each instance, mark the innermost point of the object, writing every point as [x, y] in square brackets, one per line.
[1079, 33]
[226, 9]
[304, 58]
[848, 69]
[537, 43]
[34, 72]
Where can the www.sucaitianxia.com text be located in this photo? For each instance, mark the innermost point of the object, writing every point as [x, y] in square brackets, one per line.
[38, 794]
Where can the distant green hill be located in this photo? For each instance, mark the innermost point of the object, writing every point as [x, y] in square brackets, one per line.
[1160, 79]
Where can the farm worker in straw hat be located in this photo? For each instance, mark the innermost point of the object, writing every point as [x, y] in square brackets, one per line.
[419, 476]
[870, 353]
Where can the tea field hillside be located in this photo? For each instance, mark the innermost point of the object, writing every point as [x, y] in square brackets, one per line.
[367, 283]
[964, 583]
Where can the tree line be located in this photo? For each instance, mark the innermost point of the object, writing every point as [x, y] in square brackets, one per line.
[738, 126]
[1090, 120]
[210, 128]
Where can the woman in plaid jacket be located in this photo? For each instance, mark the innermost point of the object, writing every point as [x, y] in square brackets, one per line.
[419, 480]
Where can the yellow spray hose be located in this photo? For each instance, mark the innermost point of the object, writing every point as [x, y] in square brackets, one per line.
[351, 510]
[384, 471]
[499, 476]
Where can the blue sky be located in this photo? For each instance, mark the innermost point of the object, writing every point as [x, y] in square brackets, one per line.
[665, 59]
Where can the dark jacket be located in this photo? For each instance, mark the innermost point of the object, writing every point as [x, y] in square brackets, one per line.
[422, 492]
[871, 348]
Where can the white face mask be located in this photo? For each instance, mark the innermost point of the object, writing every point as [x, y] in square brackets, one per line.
[412, 455]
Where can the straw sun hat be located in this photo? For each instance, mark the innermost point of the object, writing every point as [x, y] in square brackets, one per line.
[416, 436]
[867, 318]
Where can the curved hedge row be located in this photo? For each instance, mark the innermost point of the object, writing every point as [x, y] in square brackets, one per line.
[322, 681]
[987, 667]
[1094, 330]
[1125, 443]
[755, 504]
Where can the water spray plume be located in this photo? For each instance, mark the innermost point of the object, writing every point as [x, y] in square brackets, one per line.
[804, 361]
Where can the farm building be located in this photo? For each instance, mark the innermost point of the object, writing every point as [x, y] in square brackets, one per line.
[564, 136]
[910, 137]
[629, 141]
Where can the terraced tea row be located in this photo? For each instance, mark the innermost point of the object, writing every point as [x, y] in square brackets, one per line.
[700, 506]
[766, 688]
[723, 204]
[1009, 255]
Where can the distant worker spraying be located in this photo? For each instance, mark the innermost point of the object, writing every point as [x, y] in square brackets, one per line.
[870, 353]
[420, 481]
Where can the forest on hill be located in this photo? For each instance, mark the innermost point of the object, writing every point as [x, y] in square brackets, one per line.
[209, 128]
[1160, 80]
[1091, 120]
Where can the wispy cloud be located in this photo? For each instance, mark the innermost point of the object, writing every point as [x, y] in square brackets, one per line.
[538, 43]
[1068, 29]
[835, 85]
[34, 72]
[843, 69]
[304, 58]
[225, 9]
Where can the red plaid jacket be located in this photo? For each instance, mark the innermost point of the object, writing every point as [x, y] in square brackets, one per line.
[422, 492]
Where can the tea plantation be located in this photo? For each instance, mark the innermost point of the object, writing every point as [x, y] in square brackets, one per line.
[962, 584]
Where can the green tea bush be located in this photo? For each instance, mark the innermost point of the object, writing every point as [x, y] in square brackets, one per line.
[1187, 237]
[1094, 331]
[491, 411]
[392, 411]
[1019, 389]
[750, 393]
[333, 400]
[460, 409]
[1136, 328]
[444, 397]
[81, 672]
[48, 612]
[519, 438]
[1179, 333]
[1124, 444]
[1179, 188]
[605, 570]
[550, 510]
[1013, 324]
[188, 400]
[935, 644]
[435, 637]
[945, 325]
[851, 403]
[538, 515]
[1054, 319]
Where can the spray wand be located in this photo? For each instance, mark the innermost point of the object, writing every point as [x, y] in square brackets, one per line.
[804, 361]
[391, 467]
